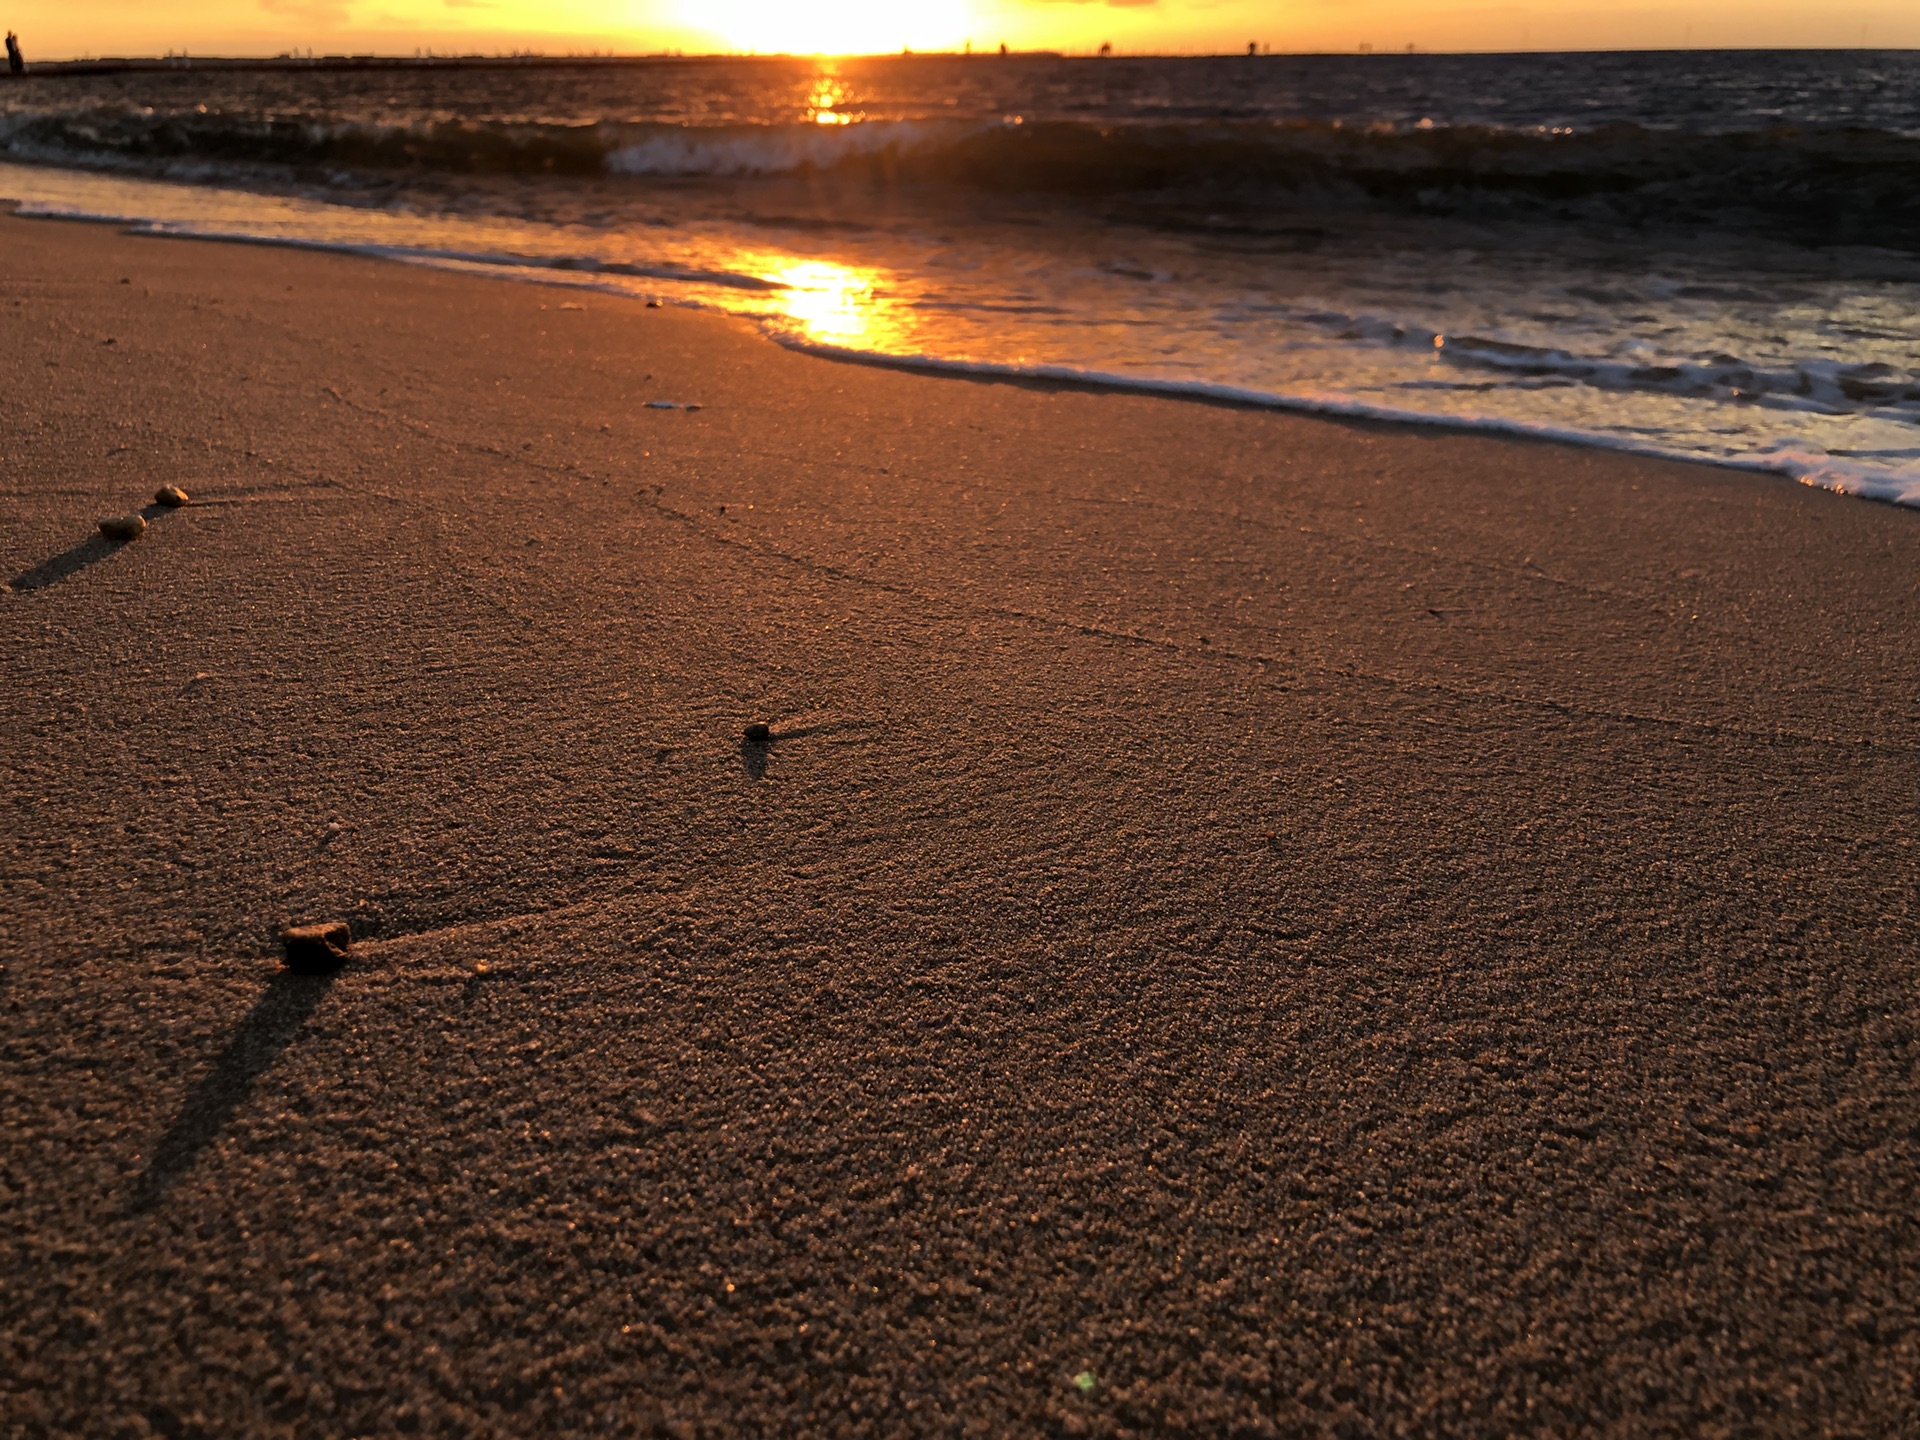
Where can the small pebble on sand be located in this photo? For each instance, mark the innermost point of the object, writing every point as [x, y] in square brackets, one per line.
[123, 527]
[316, 949]
[758, 733]
[170, 495]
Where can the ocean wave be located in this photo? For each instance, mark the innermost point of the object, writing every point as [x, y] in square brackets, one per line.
[1856, 186]
[768, 150]
[149, 141]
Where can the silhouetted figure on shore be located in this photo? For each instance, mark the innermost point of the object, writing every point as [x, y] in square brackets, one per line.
[15, 62]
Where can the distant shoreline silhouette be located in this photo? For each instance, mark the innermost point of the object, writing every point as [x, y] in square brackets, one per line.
[146, 64]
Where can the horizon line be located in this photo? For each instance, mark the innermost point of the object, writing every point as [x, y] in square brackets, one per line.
[426, 55]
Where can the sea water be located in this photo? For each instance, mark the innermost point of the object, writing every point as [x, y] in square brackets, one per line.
[1709, 256]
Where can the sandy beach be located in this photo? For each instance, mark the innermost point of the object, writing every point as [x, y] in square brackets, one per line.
[1246, 925]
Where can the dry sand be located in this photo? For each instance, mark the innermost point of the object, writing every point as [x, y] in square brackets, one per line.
[1248, 925]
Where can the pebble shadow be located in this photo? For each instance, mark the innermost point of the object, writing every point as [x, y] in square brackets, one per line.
[70, 562]
[754, 752]
[67, 562]
[267, 1030]
[753, 757]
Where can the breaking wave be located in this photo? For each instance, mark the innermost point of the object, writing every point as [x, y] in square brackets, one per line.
[1812, 185]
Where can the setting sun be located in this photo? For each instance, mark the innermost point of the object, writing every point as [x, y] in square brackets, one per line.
[836, 27]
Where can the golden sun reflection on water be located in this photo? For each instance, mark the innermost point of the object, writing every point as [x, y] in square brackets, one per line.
[827, 105]
[834, 304]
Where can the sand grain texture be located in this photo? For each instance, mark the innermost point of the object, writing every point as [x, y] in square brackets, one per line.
[1323, 929]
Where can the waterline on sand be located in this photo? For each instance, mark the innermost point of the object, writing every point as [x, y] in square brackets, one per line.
[1505, 345]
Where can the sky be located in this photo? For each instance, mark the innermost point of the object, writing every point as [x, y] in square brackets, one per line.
[51, 29]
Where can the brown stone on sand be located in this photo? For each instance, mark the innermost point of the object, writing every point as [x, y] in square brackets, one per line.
[316, 949]
[171, 496]
[758, 733]
[123, 527]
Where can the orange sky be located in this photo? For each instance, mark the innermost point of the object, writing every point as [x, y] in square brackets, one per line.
[58, 28]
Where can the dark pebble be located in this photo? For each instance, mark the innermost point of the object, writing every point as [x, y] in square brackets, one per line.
[123, 527]
[170, 495]
[758, 734]
[317, 949]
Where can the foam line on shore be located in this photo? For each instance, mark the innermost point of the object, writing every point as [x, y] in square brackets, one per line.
[1819, 471]
[495, 263]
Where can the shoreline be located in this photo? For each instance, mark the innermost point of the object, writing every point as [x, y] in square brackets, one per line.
[1203, 392]
[1819, 472]
[1242, 922]
[216, 64]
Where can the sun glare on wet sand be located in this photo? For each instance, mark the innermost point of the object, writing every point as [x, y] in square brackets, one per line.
[830, 304]
[834, 27]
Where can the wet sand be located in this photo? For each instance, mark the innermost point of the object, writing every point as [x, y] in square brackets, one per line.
[1246, 924]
